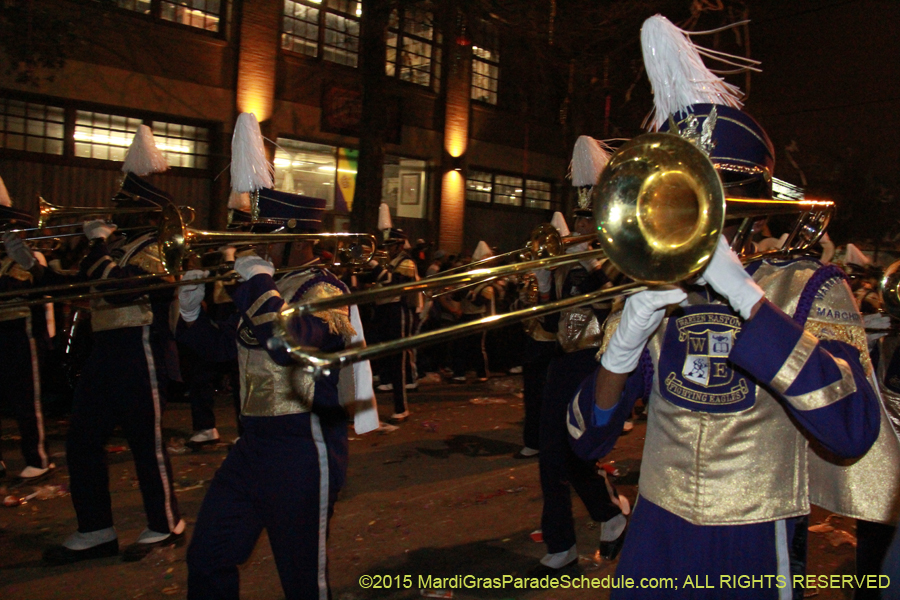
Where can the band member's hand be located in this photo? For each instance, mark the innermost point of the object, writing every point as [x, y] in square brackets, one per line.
[98, 229]
[726, 275]
[589, 264]
[877, 326]
[641, 316]
[228, 253]
[544, 280]
[190, 296]
[17, 250]
[249, 266]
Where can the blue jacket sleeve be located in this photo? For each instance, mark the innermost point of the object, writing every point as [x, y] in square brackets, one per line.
[592, 432]
[821, 383]
[260, 302]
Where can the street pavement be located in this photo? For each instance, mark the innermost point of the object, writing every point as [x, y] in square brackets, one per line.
[439, 496]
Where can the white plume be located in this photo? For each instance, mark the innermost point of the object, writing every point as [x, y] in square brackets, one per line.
[482, 250]
[4, 195]
[384, 217]
[250, 171]
[559, 221]
[677, 73]
[588, 159]
[143, 156]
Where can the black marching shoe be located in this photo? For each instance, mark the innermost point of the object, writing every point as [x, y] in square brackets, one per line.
[60, 555]
[138, 551]
[610, 550]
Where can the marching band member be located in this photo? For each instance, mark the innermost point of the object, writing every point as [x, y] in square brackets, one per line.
[285, 471]
[21, 390]
[578, 337]
[474, 304]
[123, 382]
[868, 489]
[395, 318]
[741, 370]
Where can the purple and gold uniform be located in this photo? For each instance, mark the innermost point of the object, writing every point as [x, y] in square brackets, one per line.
[284, 473]
[732, 405]
[21, 392]
[123, 383]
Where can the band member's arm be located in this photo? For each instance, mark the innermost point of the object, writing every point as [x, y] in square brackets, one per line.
[259, 300]
[605, 399]
[821, 382]
[99, 265]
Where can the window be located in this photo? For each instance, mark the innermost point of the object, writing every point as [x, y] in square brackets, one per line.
[485, 63]
[341, 43]
[300, 28]
[510, 190]
[537, 194]
[31, 127]
[419, 58]
[322, 28]
[305, 168]
[183, 145]
[478, 186]
[202, 14]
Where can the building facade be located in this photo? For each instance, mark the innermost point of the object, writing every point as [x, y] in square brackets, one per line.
[461, 164]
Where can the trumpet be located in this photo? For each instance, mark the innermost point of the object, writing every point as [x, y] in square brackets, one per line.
[659, 207]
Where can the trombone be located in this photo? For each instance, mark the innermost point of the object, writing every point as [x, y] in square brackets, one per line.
[175, 239]
[659, 207]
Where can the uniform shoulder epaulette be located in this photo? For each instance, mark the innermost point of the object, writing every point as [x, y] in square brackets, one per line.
[144, 253]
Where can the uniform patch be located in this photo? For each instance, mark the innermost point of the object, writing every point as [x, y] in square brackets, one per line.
[694, 368]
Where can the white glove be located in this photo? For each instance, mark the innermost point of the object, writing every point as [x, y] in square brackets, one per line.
[876, 321]
[98, 229]
[228, 253]
[190, 297]
[249, 266]
[641, 316]
[726, 275]
[591, 263]
[17, 250]
[544, 279]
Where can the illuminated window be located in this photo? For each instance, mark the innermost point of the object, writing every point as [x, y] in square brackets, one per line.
[341, 44]
[485, 63]
[305, 168]
[183, 145]
[509, 190]
[108, 137]
[141, 6]
[478, 186]
[201, 14]
[322, 28]
[31, 127]
[419, 58]
[538, 194]
[300, 27]
[102, 136]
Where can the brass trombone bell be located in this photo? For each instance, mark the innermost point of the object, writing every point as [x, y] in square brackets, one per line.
[659, 208]
[889, 287]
